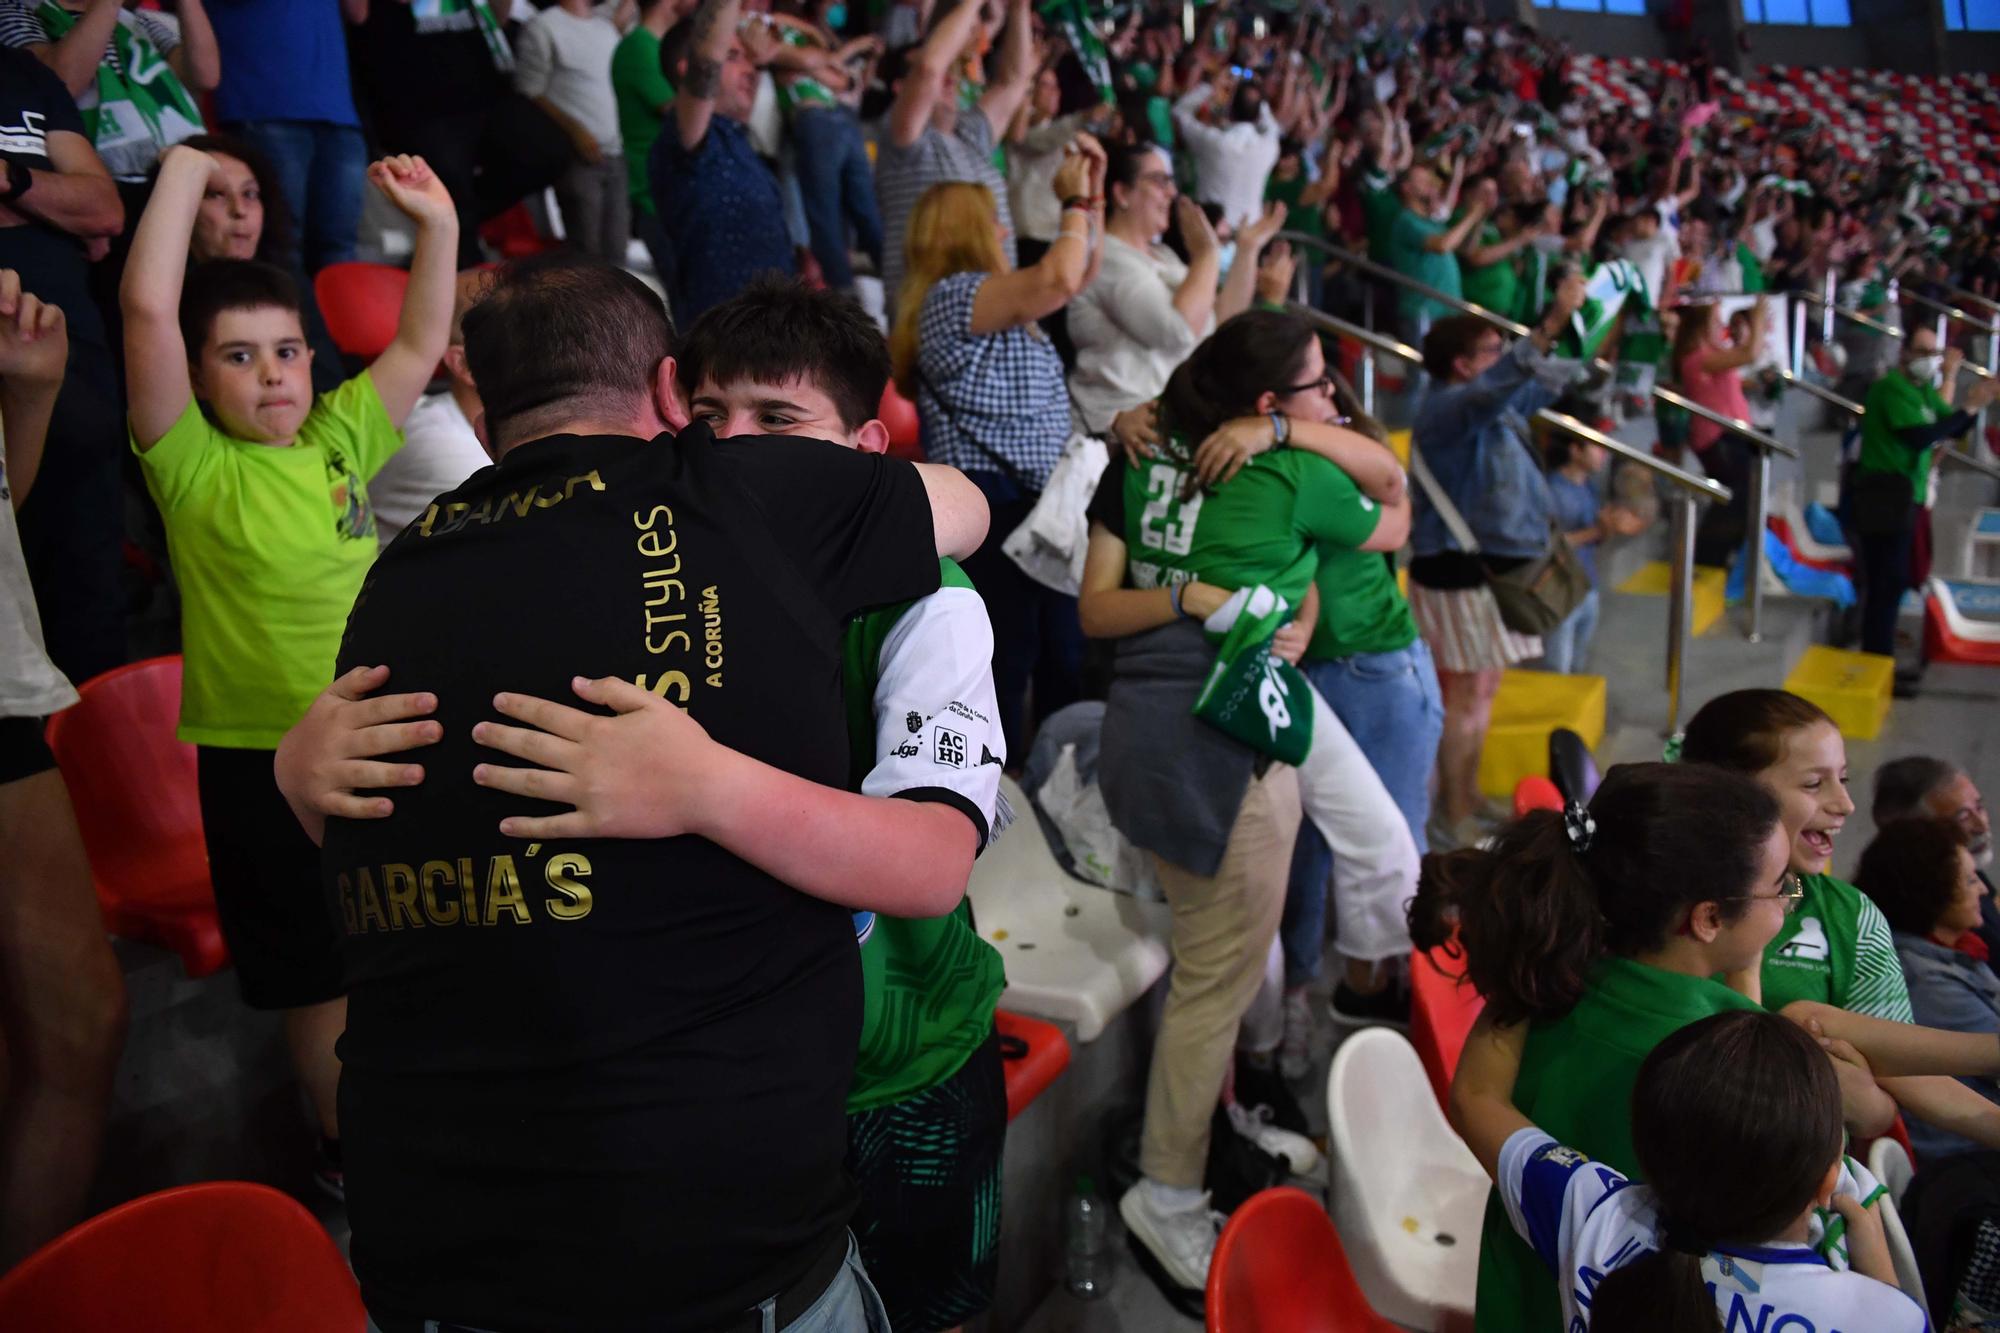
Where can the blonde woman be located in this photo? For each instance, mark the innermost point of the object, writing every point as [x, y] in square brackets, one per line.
[989, 391]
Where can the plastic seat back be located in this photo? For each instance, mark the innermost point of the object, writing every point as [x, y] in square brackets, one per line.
[1443, 1008]
[134, 788]
[1279, 1268]
[899, 414]
[361, 303]
[1571, 766]
[226, 1255]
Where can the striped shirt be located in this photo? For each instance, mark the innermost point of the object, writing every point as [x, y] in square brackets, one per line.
[903, 174]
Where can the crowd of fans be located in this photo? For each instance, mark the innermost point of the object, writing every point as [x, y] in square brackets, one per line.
[1080, 235]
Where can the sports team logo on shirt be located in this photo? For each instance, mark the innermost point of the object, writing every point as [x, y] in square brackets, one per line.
[1810, 944]
[948, 747]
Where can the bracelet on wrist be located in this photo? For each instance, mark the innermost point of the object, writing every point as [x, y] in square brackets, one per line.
[1281, 430]
[1174, 597]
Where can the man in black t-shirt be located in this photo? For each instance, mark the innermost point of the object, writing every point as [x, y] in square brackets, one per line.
[57, 205]
[599, 1084]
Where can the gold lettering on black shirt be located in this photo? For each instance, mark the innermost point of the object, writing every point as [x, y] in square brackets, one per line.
[565, 873]
[443, 520]
[394, 896]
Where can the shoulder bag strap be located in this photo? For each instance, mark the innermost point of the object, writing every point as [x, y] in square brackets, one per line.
[1453, 520]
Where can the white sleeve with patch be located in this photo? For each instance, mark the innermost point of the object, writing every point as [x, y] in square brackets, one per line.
[937, 723]
[1581, 1217]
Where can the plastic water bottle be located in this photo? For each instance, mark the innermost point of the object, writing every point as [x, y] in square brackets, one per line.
[1087, 1269]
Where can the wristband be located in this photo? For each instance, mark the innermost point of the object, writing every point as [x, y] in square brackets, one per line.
[1174, 596]
[1077, 201]
[1281, 430]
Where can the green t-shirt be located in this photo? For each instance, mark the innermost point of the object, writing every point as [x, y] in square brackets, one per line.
[1379, 209]
[270, 547]
[1409, 257]
[1263, 527]
[1836, 948]
[1306, 219]
[1497, 286]
[1576, 1084]
[1895, 402]
[643, 94]
[802, 91]
[1361, 610]
[929, 986]
[1753, 271]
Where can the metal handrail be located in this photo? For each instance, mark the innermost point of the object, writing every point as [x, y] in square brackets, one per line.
[1943, 308]
[1852, 316]
[1855, 409]
[1975, 298]
[1405, 281]
[1707, 487]
[1735, 426]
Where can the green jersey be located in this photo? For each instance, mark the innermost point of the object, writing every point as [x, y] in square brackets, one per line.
[1837, 949]
[643, 96]
[1361, 610]
[1410, 255]
[1307, 219]
[921, 718]
[1895, 402]
[1265, 526]
[1497, 286]
[1576, 1084]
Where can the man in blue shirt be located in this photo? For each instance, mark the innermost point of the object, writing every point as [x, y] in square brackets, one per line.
[285, 88]
[719, 203]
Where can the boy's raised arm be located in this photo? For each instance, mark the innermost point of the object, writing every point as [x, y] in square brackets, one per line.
[404, 369]
[157, 386]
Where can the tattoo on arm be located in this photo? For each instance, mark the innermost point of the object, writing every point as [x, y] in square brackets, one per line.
[704, 78]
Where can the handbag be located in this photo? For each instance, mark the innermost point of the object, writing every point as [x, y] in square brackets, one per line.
[1534, 596]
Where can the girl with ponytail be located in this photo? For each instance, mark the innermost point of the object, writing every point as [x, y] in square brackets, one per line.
[1736, 1122]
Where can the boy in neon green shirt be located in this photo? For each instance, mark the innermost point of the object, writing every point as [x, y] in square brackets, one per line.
[265, 498]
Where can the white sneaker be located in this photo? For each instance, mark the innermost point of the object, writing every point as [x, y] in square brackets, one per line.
[1254, 1124]
[1181, 1242]
[1295, 1049]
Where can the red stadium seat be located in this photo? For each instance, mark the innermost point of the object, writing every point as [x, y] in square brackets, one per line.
[1536, 792]
[1029, 1074]
[1279, 1268]
[513, 234]
[361, 303]
[133, 785]
[1442, 1011]
[226, 1255]
[899, 414]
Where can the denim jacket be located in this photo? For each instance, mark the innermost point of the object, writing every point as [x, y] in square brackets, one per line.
[1474, 437]
[1957, 992]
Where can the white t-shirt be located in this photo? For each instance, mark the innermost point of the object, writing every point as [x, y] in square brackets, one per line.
[1232, 163]
[1586, 1220]
[567, 59]
[439, 452]
[30, 685]
[1128, 334]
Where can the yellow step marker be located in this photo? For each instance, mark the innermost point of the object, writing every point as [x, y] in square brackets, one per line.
[1529, 706]
[1855, 689]
[1654, 579]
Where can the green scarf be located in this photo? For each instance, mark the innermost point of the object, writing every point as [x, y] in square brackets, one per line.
[1254, 695]
[140, 112]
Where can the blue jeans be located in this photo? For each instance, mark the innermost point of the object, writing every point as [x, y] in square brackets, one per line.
[1566, 648]
[320, 167]
[1389, 703]
[838, 188]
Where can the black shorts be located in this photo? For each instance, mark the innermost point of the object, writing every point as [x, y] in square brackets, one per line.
[267, 893]
[928, 1170]
[23, 750]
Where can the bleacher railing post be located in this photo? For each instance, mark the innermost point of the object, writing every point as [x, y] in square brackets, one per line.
[1753, 549]
[1680, 602]
[1799, 338]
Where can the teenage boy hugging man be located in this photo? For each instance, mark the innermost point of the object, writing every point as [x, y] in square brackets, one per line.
[264, 492]
[927, 1109]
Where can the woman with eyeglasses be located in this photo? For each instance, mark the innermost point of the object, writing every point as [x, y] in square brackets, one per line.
[1148, 307]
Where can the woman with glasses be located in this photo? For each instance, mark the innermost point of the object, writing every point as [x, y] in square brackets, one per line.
[1148, 307]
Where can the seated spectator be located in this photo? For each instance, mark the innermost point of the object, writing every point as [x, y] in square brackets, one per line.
[644, 94]
[990, 396]
[62, 1012]
[720, 206]
[435, 82]
[441, 445]
[932, 137]
[1232, 161]
[286, 89]
[134, 78]
[61, 208]
[1146, 309]
[1469, 432]
[819, 79]
[264, 493]
[562, 63]
[1921, 874]
[1921, 786]
[1736, 1126]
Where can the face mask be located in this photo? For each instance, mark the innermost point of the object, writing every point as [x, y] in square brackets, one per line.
[1926, 369]
[1226, 252]
[836, 17]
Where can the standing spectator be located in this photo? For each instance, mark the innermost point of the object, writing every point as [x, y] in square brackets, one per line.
[1037, 143]
[1232, 163]
[721, 208]
[1470, 431]
[1710, 368]
[931, 137]
[644, 95]
[61, 206]
[434, 79]
[1586, 522]
[989, 391]
[134, 78]
[1910, 411]
[62, 1011]
[817, 77]
[563, 66]
[1424, 248]
[1147, 308]
[286, 89]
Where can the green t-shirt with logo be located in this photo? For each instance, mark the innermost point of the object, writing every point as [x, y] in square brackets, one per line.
[1497, 286]
[643, 95]
[1836, 948]
[1266, 526]
[929, 987]
[270, 546]
[1896, 402]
